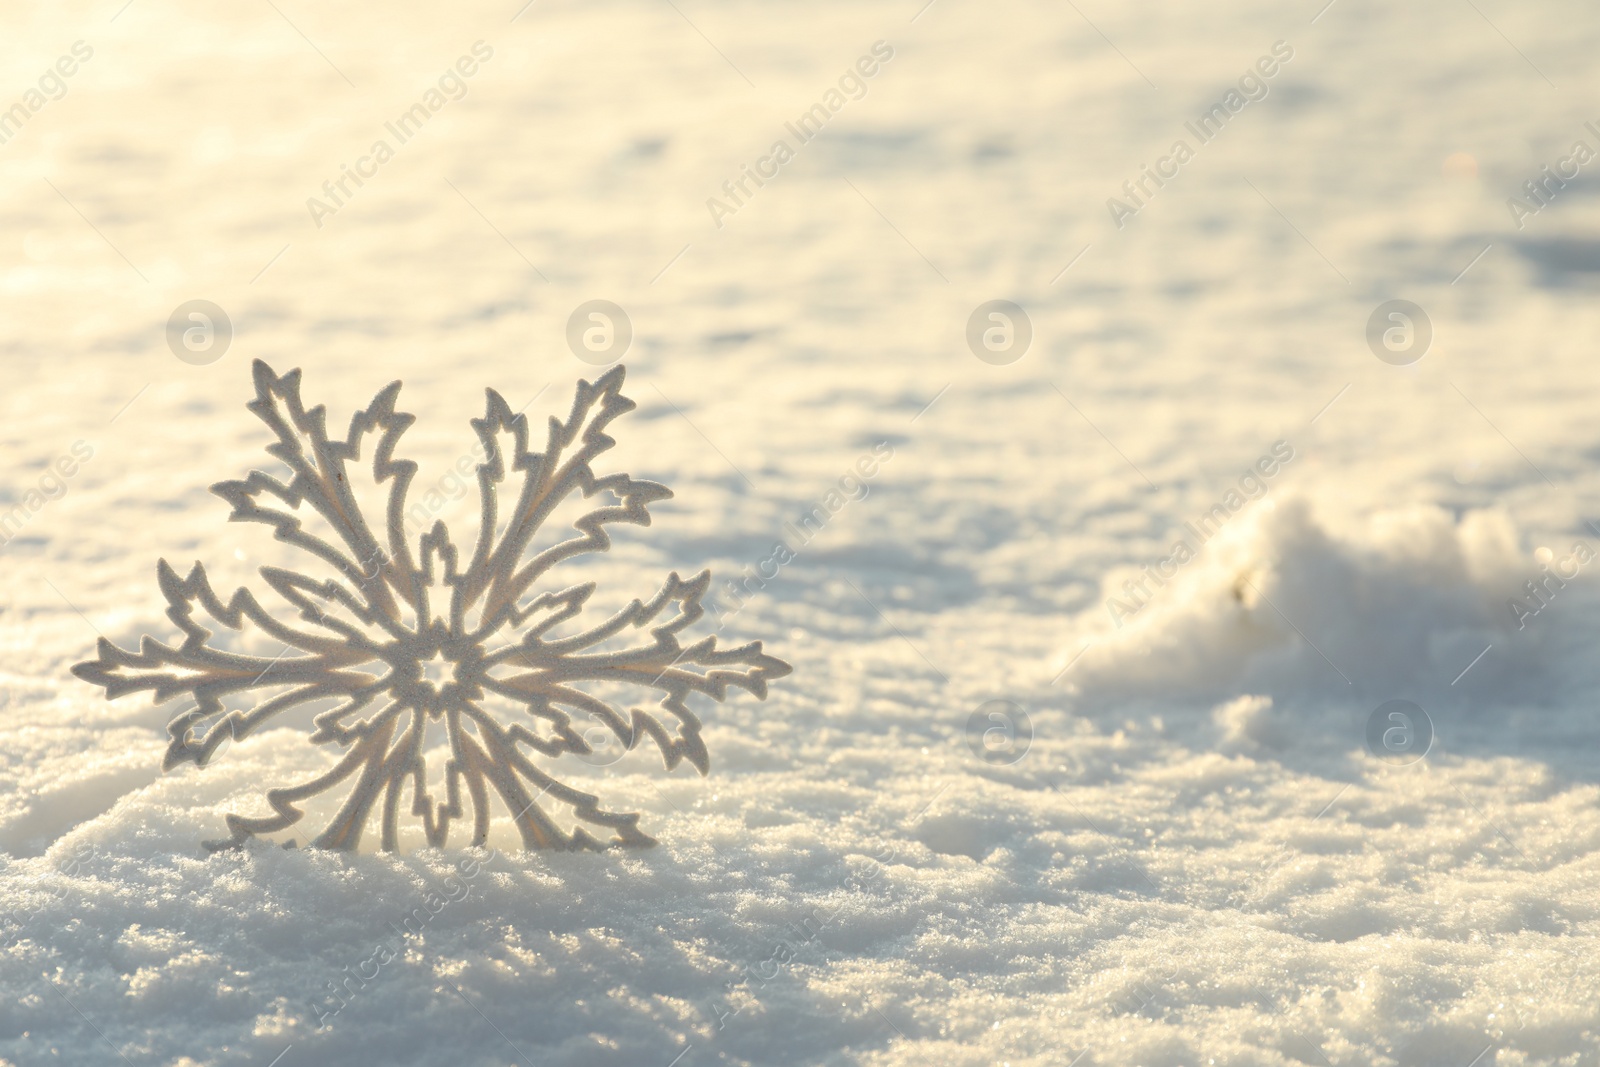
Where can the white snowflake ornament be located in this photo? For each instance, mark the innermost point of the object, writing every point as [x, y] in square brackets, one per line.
[376, 640]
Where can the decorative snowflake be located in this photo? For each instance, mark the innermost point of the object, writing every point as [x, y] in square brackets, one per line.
[373, 633]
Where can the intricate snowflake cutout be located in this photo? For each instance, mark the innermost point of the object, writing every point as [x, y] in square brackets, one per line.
[370, 637]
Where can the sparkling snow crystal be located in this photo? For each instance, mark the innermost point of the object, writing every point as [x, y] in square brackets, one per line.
[372, 635]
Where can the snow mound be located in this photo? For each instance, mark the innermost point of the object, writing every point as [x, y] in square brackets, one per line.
[1278, 602]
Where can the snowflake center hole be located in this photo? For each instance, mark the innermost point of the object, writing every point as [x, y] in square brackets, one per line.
[438, 671]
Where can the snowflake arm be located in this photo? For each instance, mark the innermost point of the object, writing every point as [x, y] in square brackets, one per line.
[209, 674]
[497, 573]
[664, 665]
[321, 480]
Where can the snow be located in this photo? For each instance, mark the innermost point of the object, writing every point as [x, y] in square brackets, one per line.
[1196, 860]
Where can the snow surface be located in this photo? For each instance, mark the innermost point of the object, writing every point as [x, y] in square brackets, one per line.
[1196, 861]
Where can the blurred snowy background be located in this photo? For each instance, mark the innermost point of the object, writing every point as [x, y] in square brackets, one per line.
[1186, 853]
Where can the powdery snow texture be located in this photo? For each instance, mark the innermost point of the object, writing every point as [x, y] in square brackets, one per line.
[1196, 861]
